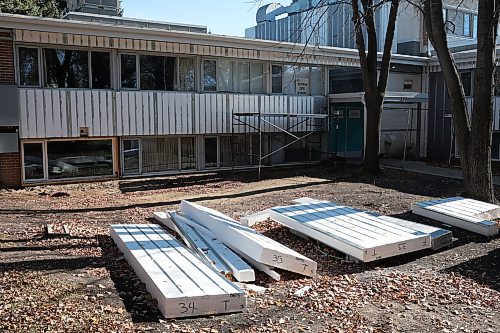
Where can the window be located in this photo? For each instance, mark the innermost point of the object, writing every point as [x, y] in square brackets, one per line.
[466, 25]
[186, 74]
[209, 75]
[295, 80]
[101, 70]
[408, 85]
[80, 158]
[160, 155]
[345, 80]
[277, 79]
[241, 77]
[211, 148]
[466, 78]
[257, 82]
[129, 71]
[28, 67]
[33, 161]
[188, 154]
[131, 157]
[225, 81]
[317, 81]
[66, 68]
[474, 26]
[157, 73]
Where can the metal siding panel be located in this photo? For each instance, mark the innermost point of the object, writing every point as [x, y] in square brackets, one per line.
[197, 113]
[139, 113]
[213, 113]
[60, 126]
[24, 130]
[187, 103]
[203, 116]
[172, 116]
[66, 122]
[40, 114]
[146, 113]
[129, 114]
[96, 117]
[48, 112]
[119, 114]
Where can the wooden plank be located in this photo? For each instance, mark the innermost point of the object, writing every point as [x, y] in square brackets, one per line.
[356, 233]
[252, 219]
[208, 246]
[239, 238]
[182, 284]
[462, 213]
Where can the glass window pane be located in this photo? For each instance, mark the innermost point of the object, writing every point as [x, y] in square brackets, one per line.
[157, 73]
[210, 152]
[33, 161]
[101, 70]
[129, 71]
[225, 75]
[210, 75]
[317, 86]
[83, 158]
[257, 83]
[66, 68]
[159, 155]
[187, 78]
[345, 80]
[467, 24]
[474, 27]
[241, 77]
[277, 78]
[288, 80]
[188, 154]
[28, 67]
[131, 157]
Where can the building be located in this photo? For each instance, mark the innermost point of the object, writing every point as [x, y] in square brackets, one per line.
[100, 7]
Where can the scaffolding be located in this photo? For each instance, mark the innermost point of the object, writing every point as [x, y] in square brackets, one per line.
[260, 128]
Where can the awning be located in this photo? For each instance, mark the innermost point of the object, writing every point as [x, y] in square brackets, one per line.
[390, 97]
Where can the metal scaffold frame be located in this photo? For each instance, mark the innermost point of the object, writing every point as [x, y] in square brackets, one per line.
[261, 120]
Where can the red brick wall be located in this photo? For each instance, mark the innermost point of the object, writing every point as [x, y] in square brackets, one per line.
[6, 59]
[10, 170]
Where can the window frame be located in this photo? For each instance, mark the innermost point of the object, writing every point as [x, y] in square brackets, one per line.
[202, 67]
[44, 161]
[137, 71]
[18, 68]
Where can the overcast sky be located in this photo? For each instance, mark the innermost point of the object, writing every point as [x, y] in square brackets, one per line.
[226, 17]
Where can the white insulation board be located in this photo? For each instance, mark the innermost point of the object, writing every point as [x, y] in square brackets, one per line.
[220, 256]
[183, 285]
[245, 240]
[468, 214]
[354, 232]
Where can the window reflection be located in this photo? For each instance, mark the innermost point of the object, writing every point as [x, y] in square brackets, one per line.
[33, 161]
[28, 66]
[66, 68]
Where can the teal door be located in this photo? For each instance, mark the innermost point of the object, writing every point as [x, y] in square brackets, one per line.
[346, 137]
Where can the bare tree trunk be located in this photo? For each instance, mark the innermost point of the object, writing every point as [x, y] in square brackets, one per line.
[374, 85]
[474, 136]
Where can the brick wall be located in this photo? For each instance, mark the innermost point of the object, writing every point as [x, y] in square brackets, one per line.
[10, 170]
[6, 59]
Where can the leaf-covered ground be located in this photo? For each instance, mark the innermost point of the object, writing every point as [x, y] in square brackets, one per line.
[83, 284]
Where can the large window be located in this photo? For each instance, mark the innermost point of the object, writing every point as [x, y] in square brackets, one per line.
[128, 66]
[345, 80]
[71, 69]
[209, 75]
[101, 70]
[186, 74]
[257, 78]
[157, 73]
[461, 23]
[277, 84]
[28, 67]
[297, 80]
[66, 68]
[81, 158]
[33, 161]
[131, 157]
[160, 155]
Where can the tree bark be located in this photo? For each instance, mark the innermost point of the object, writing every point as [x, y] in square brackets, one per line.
[474, 131]
[374, 84]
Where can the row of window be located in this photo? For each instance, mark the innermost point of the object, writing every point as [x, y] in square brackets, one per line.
[66, 68]
[461, 23]
[72, 159]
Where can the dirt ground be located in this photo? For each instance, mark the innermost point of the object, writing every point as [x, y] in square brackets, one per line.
[83, 284]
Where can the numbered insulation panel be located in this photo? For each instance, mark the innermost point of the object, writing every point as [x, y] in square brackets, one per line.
[353, 232]
[182, 284]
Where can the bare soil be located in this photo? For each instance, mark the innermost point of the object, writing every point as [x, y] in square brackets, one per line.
[82, 283]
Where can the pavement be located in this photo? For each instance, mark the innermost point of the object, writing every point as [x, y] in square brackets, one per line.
[424, 168]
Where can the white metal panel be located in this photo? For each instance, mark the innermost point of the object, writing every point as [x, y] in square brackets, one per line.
[40, 114]
[182, 284]
[58, 124]
[243, 239]
[213, 111]
[146, 113]
[354, 232]
[24, 131]
[88, 111]
[48, 110]
[468, 214]
[96, 114]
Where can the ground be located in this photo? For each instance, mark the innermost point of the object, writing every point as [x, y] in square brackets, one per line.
[83, 284]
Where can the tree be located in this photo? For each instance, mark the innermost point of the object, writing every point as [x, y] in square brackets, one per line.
[374, 84]
[47, 8]
[474, 132]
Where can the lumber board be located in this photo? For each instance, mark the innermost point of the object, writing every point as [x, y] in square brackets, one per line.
[354, 232]
[253, 244]
[253, 219]
[207, 246]
[183, 285]
[467, 214]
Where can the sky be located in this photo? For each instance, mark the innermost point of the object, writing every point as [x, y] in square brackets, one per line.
[225, 17]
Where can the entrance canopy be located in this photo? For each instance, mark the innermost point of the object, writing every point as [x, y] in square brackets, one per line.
[390, 97]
